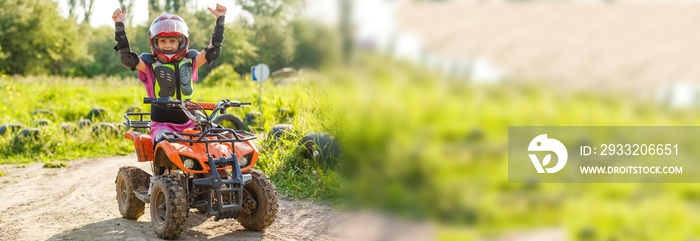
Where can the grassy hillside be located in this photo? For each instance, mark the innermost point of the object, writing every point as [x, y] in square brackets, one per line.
[413, 146]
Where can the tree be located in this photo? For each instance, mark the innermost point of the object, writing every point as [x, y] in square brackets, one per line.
[277, 9]
[36, 39]
[236, 50]
[102, 59]
[126, 5]
[346, 28]
[316, 45]
[174, 5]
[86, 6]
[155, 8]
[2, 57]
[275, 42]
[71, 8]
[87, 10]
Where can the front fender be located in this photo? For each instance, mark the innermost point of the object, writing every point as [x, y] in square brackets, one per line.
[173, 151]
[245, 148]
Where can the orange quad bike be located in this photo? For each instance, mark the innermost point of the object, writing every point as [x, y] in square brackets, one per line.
[207, 167]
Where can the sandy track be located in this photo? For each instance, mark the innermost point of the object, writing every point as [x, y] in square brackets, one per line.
[78, 202]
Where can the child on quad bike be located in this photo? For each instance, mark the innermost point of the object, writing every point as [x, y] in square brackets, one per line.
[195, 163]
[170, 69]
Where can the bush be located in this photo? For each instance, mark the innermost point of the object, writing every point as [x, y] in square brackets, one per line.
[223, 75]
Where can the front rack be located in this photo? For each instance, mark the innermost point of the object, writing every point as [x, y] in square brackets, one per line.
[239, 136]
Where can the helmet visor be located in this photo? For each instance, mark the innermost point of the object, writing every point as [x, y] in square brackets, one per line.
[169, 27]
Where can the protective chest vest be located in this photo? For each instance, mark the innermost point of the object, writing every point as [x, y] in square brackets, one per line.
[173, 80]
[169, 84]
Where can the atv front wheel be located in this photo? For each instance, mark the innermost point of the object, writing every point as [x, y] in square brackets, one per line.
[128, 180]
[229, 121]
[168, 206]
[259, 202]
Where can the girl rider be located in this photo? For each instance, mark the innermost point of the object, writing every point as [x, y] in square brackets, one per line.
[170, 69]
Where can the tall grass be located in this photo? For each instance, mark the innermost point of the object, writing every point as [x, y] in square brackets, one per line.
[415, 144]
[424, 146]
[70, 99]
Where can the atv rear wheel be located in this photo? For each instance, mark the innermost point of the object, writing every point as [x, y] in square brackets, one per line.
[168, 206]
[128, 180]
[259, 202]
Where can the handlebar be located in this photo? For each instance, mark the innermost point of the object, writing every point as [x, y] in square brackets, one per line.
[187, 104]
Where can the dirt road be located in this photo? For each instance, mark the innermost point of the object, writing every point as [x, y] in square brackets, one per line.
[78, 202]
[636, 46]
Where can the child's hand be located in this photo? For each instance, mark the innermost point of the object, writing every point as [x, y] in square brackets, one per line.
[119, 16]
[219, 11]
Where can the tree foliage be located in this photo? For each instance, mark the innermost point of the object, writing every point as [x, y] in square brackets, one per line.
[238, 49]
[36, 39]
[86, 6]
[101, 59]
[126, 5]
[87, 10]
[2, 57]
[157, 7]
[316, 45]
[277, 9]
[275, 42]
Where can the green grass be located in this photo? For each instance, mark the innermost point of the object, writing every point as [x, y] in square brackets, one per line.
[70, 100]
[417, 145]
[55, 164]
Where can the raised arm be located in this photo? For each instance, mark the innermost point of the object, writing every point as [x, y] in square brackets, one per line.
[212, 52]
[129, 59]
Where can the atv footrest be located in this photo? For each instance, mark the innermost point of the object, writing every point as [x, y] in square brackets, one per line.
[199, 204]
[143, 196]
[230, 206]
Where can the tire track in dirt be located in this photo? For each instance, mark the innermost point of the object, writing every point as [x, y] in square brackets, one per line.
[78, 202]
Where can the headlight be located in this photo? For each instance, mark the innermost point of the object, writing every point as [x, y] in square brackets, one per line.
[243, 161]
[189, 163]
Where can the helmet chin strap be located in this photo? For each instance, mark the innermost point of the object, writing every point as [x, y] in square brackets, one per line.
[162, 60]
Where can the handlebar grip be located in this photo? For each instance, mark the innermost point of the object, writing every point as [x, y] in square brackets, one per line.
[245, 103]
[206, 106]
[167, 100]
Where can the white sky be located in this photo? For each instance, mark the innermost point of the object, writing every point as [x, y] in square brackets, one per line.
[103, 9]
[371, 12]
[375, 20]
